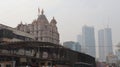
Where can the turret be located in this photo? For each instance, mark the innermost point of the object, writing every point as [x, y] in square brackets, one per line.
[42, 12]
[53, 22]
[20, 26]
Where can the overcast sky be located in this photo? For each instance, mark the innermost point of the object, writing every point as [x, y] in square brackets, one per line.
[71, 15]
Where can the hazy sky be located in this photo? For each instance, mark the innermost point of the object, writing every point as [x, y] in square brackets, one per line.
[71, 15]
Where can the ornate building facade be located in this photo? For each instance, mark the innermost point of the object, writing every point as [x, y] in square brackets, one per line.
[42, 29]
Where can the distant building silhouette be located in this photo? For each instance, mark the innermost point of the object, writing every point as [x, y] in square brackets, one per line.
[88, 37]
[105, 43]
[72, 45]
[80, 41]
[108, 41]
[42, 29]
[102, 56]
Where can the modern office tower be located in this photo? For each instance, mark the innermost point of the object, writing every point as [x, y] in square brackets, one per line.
[89, 40]
[102, 56]
[105, 43]
[72, 45]
[77, 47]
[80, 41]
[108, 41]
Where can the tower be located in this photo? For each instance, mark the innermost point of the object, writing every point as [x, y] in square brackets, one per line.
[89, 40]
[101, 44]
[105, 43]
[108, 40]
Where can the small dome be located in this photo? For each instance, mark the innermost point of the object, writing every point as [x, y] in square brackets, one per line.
[53, 21]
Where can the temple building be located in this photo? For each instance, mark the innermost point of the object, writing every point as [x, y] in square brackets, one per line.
[42, 29]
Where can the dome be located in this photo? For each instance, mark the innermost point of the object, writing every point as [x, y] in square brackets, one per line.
[53, 21]
[42, 18]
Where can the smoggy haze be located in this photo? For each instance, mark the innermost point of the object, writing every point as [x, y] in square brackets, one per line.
[71, 15]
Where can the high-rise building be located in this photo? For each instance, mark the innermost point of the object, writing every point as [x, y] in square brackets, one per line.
[80, 41]
[42, 29]
[77, 47]
[102, 56]
[72, 45]
[105, 43]
[89, 40]
[108, 41]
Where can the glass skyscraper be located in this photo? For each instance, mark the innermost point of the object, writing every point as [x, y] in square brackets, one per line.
[105, 43]
[108, 41]
[88, 37]
[102, 56]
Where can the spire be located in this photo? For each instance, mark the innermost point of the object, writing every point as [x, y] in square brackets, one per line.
[53, 21]
[108, 22]
[53, 18]
[42, 12]
[38, 11]
[21, 22]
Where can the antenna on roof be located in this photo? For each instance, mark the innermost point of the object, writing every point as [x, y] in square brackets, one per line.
[38, 11]
[108, 22]
[38, 2]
